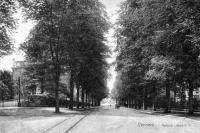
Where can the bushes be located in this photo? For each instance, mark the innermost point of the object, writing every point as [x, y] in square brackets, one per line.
[40, 100]
[37, 100]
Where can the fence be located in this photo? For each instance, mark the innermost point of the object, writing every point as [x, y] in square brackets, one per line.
[13, 103]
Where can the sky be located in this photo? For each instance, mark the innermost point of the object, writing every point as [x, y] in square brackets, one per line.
[18, 36]
[112, 6]
[24, 27]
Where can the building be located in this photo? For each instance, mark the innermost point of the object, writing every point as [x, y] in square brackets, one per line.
[196, 94]
[19, 77]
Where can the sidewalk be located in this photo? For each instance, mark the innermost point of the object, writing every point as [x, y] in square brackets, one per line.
[176, 113]
[38, 120]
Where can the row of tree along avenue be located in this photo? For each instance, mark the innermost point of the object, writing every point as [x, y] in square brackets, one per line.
[68, 37]
[158, 61]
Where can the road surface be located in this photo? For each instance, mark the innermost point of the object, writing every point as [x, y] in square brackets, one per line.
[123, 120]
[104, 119]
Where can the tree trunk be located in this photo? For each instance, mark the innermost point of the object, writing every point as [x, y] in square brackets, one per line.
[77, 96]
[144, 107]
[57, 97]
[2, 98]
[82, 97]
[85, 95]
[88, 99]
[19, 91]
[95, 102]
[42, 86]
[92, 100]
[11, 93]
[129, 101]
[135, 103]
[57, 110]
[167, 109]
[190, 102]
[71, 91]
[175, 91]
[155, 99]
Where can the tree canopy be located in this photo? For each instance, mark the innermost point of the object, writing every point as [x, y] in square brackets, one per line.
[157, 43]
[69, 36]
[7, 24]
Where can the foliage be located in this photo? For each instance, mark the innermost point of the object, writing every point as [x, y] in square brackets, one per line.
[7, 24]
[68, 36]
[6, 85]
[157, 42]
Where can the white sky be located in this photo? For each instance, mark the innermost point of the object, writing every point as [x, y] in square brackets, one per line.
[112, 6]
[23, 29]
[18, 37]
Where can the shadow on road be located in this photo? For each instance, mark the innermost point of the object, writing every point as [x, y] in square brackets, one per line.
[26, 112]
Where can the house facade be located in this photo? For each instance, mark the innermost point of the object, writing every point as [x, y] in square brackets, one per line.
[19, 77]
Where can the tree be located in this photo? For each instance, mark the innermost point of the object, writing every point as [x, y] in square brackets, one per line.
[90, 26]
[3, 91]
[48, 41]
[67, 34]
[7, 84]
[7, 24]
[157, 41]
[176, 41]
[134, 47]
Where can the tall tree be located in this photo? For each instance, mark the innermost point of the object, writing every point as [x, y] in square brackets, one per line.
[67, 33]
[89, 29]
[164, 31]
[7, 24]
[48, 41]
